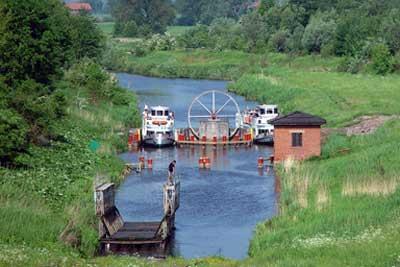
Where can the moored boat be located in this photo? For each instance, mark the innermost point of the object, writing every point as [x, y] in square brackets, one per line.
[258, 119]
[158, 126]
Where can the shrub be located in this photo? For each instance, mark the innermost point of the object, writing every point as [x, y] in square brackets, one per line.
[130, 29]
[381, 59]
[13, 134]
[279, 41]
[319, 32]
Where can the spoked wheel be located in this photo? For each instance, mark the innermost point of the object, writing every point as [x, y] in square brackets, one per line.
[212, 105]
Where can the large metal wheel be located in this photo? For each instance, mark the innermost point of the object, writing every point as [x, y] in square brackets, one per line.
[213, 105]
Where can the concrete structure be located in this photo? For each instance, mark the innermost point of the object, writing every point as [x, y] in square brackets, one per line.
[297, 136]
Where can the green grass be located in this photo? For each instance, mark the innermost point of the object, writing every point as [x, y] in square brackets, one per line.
[177, 30]
[338, 97]
[201, 64]
[338, 210]
[106, 27]
[54, 189]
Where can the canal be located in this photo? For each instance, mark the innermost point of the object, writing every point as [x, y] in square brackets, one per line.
[220, 207]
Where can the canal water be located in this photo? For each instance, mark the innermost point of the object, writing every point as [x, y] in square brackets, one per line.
[219, 207]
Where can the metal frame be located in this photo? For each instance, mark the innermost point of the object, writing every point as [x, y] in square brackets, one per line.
[212, 111]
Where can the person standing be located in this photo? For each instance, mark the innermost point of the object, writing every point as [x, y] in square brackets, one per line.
[171, 172]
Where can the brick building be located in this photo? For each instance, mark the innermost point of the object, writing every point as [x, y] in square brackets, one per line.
[297, 135]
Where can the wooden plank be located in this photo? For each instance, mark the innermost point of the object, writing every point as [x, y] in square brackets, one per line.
[112, 221]
[140, 226]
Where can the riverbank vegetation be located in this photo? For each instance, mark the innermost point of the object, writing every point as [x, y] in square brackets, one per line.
[63, 118]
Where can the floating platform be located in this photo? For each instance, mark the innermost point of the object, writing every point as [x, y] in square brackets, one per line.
[213, 143]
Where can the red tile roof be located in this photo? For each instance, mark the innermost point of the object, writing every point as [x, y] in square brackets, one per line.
[79, 6]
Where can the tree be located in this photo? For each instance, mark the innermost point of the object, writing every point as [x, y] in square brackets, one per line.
[265, 5]
[34, 40]
[319, 32]
[87, 38]
[150, 16]
[254, 30]
[38, 40]
[390, 31]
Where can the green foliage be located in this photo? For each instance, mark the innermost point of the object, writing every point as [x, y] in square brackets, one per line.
[87, 38]
[279, 41]
[390, 30]
[192, 12]
[13, 132]
[34, 40]
[141, 18]
[381, 59]
[319, 32]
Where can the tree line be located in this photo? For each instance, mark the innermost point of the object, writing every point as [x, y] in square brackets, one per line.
[39, 40]
[359, 31]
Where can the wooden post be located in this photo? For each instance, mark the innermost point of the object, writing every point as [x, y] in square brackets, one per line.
[110, 221]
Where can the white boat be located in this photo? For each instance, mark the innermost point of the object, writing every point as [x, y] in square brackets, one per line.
[158, 126]
[258, 119]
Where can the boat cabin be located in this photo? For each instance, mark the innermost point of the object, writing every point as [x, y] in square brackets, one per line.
[267, 110]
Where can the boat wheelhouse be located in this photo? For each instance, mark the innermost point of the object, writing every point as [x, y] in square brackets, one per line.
[258, 119]
[158, 126]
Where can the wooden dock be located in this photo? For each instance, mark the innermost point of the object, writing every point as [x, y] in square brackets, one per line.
[143, 238]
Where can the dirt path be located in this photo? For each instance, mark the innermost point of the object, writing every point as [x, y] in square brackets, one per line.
[360, 126]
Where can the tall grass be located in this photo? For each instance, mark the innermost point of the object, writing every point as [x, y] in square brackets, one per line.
[342, 209]
[338, 97]
[53, 193]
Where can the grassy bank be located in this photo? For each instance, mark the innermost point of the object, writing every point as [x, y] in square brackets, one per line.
[47, 204]
[342, 209]
[206, 64]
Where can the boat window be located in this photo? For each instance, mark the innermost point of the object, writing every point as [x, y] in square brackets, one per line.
[153, 112]
[262, 111]
[159, 113]
[276, 110]
[269, 111]
[166, 113]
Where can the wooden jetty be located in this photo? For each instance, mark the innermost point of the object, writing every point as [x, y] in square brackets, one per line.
[143, 238]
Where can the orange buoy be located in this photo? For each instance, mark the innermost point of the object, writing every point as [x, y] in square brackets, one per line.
[204, 139]
[150, 163]
[214, 139]
[207, 163]
[201, 162]
[192, 138]
[260, 162]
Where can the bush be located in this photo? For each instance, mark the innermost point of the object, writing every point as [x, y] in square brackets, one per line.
[381, 59]
[13, 134]
[352, 64]
[319, 32]
[130, 29]
[279, 41]
[196, 37]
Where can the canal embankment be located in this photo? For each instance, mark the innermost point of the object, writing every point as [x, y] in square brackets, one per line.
[47, 203]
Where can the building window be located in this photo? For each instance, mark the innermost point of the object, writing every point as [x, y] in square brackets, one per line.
[297, 139]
